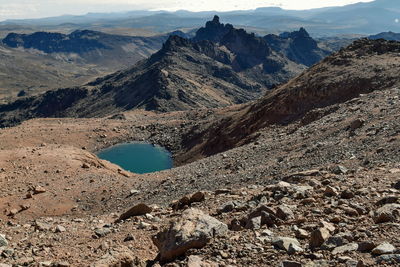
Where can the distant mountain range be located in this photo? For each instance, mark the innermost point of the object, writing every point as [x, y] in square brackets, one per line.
[390, 36]
[361, 18]
[90, 47]
[220, 66]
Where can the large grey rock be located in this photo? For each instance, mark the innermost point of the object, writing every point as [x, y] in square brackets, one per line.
[197, 261]
[41, 226]
[102, 232]
[384, 248]
[333, 242]
[339, 169]
[284, 212]
[387, 213]
[293, 249]
[3, 241]
[318, 237]
[254, 223]
[389, 258]
[285, 242]
[193, 229]
[345, 248]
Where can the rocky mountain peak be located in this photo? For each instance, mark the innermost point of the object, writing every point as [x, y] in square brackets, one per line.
[173, 42]
[216, 20]
[301, 33]
[213, 31]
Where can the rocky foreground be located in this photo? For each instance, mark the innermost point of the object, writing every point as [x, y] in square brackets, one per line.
[325, 198]
[322, 189]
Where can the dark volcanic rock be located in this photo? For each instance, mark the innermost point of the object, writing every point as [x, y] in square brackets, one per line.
[298, 46]
[213, 31]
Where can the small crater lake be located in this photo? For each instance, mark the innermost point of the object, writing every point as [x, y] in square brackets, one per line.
[138, 157]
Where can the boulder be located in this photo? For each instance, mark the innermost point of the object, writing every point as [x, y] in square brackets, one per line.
[193, 229]
[138, 210]
[384, 248]
[387, 200]
[331, 228]
[197, 261]
[293, 249]
[301, 233]
[285, 242]
[188, 200]
[396, 185]
[387, 213]
[38, 190]
[254, 223]
[339, 169]
[283, 212]
[59, 229]
[102, 232]
[197, 197]
[41, 226]
[318, 237]
[366, 246]
[345, 248]
[358, 123]
[3, 241]
[389, 259]
[331, 191]
[347, 194]
[333, 242]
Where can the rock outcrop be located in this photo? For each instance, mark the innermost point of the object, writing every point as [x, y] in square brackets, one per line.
[193, 230]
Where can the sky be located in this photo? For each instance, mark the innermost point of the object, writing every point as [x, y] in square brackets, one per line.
[17, 9]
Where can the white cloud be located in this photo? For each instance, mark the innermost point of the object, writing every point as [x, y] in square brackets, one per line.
[16, 9]
[397, 20]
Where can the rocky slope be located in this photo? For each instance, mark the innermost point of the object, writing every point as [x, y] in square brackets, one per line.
[36, 73]
[296, 195]
[364, 66]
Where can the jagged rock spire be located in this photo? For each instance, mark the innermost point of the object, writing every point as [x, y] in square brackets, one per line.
[216, 19]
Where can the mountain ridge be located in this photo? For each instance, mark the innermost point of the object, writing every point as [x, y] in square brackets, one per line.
[314, 89]
[87, 46]
[184, 74]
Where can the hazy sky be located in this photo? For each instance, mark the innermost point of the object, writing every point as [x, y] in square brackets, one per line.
[45, 8]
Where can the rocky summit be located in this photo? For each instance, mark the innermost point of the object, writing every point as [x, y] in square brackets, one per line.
[304, 173]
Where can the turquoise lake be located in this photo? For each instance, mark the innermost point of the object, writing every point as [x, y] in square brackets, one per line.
[138, 157]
